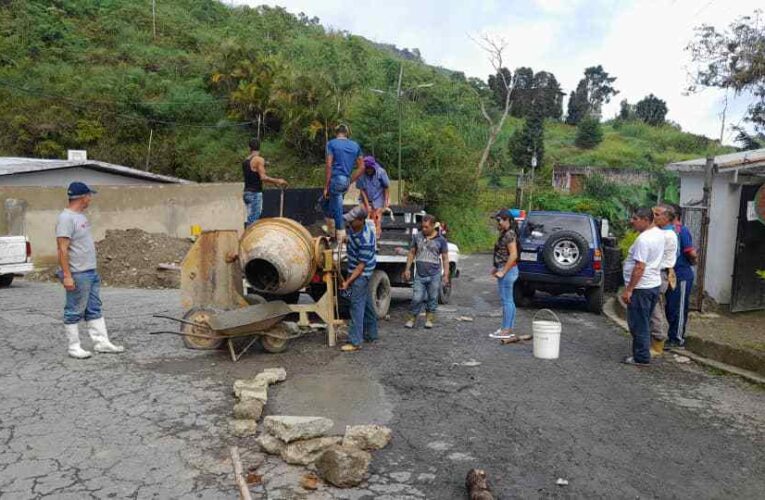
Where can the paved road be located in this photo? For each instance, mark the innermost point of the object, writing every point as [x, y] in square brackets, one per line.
[152, 423]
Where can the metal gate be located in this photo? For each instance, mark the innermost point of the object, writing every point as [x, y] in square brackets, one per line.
[748, 292]
[693, 219]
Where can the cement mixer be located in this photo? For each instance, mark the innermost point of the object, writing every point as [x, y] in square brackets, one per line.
[278, 257]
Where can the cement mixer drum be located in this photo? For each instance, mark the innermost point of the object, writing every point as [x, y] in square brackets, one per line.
[279, 256]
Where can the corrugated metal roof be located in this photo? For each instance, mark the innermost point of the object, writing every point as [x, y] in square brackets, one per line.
[15, 166]
[745, 161]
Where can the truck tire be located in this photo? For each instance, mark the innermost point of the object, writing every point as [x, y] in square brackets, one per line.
[594, 298]
[566, 253]
[6, 280]
[379, 287]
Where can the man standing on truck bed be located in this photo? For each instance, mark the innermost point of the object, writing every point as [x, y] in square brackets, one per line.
[342, 155]
[77, 258]
[430, 251]
[254, 172]
[374, 187]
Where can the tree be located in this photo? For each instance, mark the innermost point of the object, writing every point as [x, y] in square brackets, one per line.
[528, 141]
[651, 110]
[733, 60]
[522, 96]
[588, 133]
[626, 110]
[577, 104]
[495, 49]
[749, 141]
[497, 87]
[599, 89]
[548, 95]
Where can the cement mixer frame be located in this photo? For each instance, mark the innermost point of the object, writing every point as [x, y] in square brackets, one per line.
[278, 257]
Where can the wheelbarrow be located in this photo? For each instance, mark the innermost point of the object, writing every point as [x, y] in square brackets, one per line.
[208, 328]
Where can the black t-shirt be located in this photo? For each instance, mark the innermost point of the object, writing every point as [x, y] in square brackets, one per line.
[252, 180]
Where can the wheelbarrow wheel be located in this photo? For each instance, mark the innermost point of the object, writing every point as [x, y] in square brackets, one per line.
[202, 316]
[274, 345]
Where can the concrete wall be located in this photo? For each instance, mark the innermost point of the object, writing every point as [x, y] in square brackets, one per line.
[156, 208]
[723, 227]
[62, 177]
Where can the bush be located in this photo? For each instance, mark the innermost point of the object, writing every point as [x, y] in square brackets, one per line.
[588, 133]
[469, 227]
[626, 242]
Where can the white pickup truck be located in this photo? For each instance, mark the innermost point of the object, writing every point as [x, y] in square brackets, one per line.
[15, 258]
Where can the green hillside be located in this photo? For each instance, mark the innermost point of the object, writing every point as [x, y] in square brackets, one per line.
[102, 75]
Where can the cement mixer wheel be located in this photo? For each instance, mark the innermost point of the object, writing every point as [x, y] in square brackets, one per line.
[274, 345]
[202, 316]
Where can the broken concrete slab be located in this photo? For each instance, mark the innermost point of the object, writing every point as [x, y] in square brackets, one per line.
[250, 385]
[270, 444]
[291, 428]
[259, 393]
[250, 409]
[343, 466]
[367, 437]
[243, 428]
[307, 451]
[272, 375]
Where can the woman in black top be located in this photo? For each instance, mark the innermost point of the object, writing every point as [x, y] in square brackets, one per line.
[506, 271]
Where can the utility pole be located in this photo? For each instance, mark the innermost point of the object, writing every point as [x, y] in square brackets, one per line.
[148, 151]
[400, 113]
[533, 168]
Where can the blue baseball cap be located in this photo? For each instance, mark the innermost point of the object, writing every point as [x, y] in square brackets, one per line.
[78, 190]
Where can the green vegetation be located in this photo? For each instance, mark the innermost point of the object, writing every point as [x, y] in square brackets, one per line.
[588, 133]
[93, 74]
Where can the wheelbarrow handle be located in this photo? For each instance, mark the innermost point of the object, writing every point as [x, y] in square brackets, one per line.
[180, 334]
[179, 320]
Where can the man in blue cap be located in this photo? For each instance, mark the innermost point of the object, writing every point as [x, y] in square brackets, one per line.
[77, 261]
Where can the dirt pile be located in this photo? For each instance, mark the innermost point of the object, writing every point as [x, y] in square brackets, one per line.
[131, 258]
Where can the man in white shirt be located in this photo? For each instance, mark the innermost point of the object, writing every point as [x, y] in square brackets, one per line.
[642, 280]
[663, 215]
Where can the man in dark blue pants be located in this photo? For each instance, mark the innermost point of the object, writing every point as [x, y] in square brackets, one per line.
[642, 275]
[362, 259]
[678, 300]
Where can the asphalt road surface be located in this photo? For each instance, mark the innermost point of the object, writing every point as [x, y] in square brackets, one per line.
[152, 423]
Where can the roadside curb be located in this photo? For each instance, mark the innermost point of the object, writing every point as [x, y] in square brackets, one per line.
[609, 310]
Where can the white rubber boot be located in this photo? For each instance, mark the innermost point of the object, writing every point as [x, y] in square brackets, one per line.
[97, 331]
[73, 337]
[340, 236]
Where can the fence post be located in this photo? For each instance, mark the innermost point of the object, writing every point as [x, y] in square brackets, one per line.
[706, 203]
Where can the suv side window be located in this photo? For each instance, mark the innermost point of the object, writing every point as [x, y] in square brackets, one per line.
[540, 227]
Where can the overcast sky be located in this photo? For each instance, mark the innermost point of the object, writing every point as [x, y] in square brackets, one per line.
[641, 42]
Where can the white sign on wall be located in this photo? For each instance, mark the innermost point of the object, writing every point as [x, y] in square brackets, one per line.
[76, 155]
[751, 211]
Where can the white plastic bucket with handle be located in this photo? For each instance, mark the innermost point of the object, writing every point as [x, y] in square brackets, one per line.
[546, 336]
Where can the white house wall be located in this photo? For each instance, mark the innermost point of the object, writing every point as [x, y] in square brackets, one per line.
[723, 226]
[62, 177]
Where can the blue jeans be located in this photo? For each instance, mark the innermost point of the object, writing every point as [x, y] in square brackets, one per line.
[639, 320]
[84, 302]
[333, 205]
[505, 287]
[363, 315]
[678, 302]
[426, 290]
[254, 203]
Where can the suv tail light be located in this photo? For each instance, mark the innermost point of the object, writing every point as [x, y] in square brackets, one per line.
[29, 250]
[597, 260]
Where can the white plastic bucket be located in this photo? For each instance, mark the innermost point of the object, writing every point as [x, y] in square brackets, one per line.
[546, 336]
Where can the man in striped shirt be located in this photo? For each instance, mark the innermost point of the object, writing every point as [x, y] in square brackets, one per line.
[361, 251]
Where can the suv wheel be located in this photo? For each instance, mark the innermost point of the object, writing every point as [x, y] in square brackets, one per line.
[522, 294]
[566, 253]
[594, 298]
[6, 280]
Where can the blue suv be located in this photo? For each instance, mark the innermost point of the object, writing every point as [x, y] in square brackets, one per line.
[560, 252]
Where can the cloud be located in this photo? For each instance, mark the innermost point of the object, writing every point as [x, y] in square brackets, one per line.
[641, 42]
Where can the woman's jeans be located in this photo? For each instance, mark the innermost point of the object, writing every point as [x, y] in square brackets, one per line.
[333, 204]
[254, 203]
[505, 286]
[84, 302]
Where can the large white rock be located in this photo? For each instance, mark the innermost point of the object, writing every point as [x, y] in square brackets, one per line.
[343, 466]
[270, 444]
[289, 428]
[367, 437]
[272, 375]
[306, 451]
[251, 389]
[250, 409]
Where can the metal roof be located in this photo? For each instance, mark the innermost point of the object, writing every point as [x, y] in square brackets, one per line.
[749, 162]
[15, 166]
